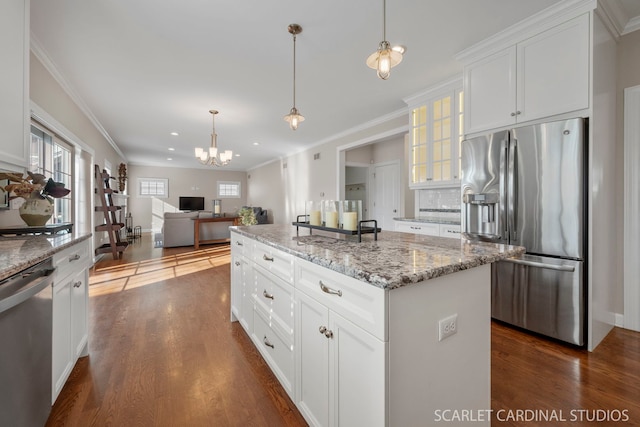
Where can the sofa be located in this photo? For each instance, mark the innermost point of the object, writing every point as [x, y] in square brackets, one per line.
[261, 214]
[177, 229]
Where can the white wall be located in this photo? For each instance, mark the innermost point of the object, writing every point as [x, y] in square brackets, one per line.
[148, 212]
[284, 190]
[628, 76]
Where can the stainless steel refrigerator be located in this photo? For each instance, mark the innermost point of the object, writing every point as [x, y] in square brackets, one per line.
[526, 187]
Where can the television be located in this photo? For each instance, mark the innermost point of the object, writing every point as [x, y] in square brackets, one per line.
[191, 203]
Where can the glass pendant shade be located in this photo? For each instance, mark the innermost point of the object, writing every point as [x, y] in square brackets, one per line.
[294, 118]
[384, 59]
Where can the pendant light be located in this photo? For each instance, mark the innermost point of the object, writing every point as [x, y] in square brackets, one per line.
[294, 117]
[385, 57]
[211, 157]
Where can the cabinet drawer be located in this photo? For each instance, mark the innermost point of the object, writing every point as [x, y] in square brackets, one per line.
[72, 259]
[240, 244]
[359, 302]
[425, 228]
[448, 230]
[273, 260]
[277, 353]
[274, 298]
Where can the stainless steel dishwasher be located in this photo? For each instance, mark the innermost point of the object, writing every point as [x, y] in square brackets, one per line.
[25, 339]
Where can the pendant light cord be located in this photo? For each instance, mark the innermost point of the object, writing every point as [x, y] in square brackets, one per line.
[294, 71]
[384, 20]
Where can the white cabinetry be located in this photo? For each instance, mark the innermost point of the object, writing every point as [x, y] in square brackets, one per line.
[273, 317]
[542, 76]
[429, 229]
[426, 228]
[450, 230]
[70, 304]
[242, 285]
[341, 380]
[14, 87]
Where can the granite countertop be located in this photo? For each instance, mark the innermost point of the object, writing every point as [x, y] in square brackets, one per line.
[432, 220]
[20, 252]
[395, 260]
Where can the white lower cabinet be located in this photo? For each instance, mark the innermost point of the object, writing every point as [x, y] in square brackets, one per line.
[242, 286]
[70, 312]
[273, 323]
[426, 228]
[341, 368]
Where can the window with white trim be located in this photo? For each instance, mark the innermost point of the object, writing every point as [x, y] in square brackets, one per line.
[52, 157]
[229, 189]
[153, 187]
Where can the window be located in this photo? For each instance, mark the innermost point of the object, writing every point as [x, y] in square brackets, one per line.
[52, 157]
[229, 189]
[153, 187]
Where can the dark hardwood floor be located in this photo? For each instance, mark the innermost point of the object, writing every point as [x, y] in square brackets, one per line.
[162, 352]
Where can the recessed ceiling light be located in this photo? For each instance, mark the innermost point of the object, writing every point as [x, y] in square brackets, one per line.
[256, 143]
[172, 149]
[174, 133]
[237, 155]
[169, 158]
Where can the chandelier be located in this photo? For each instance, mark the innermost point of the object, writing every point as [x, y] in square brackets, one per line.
[211, 157]
[386, 57]
[294, 117]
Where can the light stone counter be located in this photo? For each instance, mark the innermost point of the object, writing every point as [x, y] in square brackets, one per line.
[395, 260]
[20, 252]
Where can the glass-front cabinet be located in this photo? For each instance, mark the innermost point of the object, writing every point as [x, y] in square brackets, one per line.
[436, 134]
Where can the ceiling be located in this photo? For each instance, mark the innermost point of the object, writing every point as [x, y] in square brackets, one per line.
[146, 68]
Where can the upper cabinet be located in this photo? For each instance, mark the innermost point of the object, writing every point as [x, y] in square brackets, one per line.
[14, 84]
[542, 76]
[435, 137]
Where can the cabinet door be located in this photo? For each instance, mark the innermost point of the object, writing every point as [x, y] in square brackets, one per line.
[14, 69]
[248, 293]
[236, 286]
[357, 386]
[79, 329]
[62, 360]
[428, 229]
[553, 71]
[490, 92]
[312, 348]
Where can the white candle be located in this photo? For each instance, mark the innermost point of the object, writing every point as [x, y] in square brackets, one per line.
[350, 220]
[331, 220]
[216, 209]
[314, 217]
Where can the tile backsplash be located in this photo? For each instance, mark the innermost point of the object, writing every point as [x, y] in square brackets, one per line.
[441, 202]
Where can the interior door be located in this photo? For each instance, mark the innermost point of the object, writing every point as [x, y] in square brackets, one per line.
[386, 180]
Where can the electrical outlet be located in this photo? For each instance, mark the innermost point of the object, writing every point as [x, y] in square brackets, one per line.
[447, 326]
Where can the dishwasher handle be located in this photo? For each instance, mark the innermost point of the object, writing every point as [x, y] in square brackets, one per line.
[27, 285]
[561, 267]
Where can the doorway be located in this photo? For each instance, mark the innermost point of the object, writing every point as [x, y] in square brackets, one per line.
[386, 200]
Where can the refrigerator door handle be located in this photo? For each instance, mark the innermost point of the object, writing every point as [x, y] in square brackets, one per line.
[511, 189]
[503, 230]
[567, 268]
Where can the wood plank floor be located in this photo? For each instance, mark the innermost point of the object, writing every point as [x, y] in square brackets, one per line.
[163, 353]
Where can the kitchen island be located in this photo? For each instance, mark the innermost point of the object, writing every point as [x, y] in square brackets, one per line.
[388, 332]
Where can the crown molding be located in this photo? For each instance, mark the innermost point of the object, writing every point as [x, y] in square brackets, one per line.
[526, 28]
[451, 84]
[50, 66]
[632, 25]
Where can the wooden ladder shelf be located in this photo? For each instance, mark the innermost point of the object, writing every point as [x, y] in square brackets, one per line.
[111, 226]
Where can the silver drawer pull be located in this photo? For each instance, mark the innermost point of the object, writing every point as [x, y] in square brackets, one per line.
[74, 257]
[238, 263]
[322, 329]
[328, 333]
[266, 342]
[239, 244]
[328, 290]
[267, 258]
[77, 284]
[266, 294]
